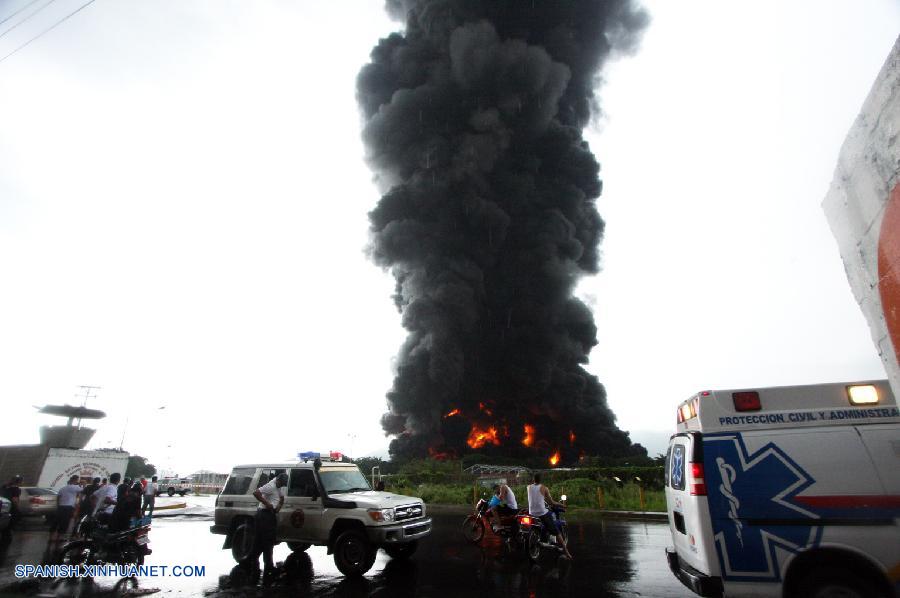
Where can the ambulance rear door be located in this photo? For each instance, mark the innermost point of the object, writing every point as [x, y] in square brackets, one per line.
[687, 506]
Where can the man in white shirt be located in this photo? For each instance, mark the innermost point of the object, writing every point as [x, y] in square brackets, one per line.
[150, 491]
[107, 496]
[67, 499]
[271, 499]
[538, 499]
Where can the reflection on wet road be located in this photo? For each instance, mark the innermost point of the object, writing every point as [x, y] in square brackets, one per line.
[612, 558]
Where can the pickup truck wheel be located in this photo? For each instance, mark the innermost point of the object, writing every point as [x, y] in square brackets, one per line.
[352, 553]
[298, 546]
[837, 583]
[242, 541]
[171, 492]
[401, 551]
[182, 493]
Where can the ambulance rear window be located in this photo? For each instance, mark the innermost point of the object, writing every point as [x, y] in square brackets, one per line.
[676, 467]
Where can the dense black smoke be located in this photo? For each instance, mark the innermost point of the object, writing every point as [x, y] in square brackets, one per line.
[473, 121]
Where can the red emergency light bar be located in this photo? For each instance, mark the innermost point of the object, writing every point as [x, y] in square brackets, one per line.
[746, 401]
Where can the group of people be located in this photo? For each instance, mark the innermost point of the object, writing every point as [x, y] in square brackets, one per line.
[113, 501]
[503, 503]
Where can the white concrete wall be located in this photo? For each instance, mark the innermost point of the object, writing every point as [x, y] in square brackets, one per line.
[868, 169]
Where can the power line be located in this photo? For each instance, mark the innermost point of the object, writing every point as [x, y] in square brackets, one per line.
[31, 14]
[17, 12]
[50, 28]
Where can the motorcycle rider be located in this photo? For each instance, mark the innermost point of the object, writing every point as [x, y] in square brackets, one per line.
[538, 499]
[502, 503]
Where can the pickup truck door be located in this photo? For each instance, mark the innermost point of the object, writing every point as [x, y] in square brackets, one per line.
[301, 518]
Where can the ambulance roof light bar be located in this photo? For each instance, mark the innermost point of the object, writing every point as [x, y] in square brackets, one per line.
[746, 401]
[863, 394]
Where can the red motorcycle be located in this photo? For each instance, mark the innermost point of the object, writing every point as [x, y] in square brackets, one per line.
[504, 526]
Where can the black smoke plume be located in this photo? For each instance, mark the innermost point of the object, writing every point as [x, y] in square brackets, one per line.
[473, 122]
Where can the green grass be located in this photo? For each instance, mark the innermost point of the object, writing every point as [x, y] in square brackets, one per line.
[581, 493]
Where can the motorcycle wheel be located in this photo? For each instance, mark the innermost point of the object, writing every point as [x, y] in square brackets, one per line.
[132, 554]
[533, 547]
[473, 529]
[78, 553]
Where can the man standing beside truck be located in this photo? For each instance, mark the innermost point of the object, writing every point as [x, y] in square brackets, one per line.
[271, 499]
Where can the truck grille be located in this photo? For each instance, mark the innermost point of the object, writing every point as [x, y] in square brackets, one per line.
[405, 512]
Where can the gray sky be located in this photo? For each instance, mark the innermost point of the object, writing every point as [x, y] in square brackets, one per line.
[183, 207]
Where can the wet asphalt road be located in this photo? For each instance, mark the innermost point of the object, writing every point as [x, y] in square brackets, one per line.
[612, 558]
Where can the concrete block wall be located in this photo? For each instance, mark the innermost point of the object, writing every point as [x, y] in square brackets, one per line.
[25, 460]
[867, 173]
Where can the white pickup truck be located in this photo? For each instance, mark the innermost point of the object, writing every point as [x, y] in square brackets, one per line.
[327, 504]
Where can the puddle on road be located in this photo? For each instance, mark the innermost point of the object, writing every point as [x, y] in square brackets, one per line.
[612, 558]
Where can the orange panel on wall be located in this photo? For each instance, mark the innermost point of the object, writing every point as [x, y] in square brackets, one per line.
[889, 267]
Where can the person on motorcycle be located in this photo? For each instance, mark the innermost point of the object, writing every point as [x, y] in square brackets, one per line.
[538, 499]
[127, 508]
[502, 503]
[107, 496]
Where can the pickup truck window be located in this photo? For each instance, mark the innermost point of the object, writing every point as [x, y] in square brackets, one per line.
[239, 481]
[343, 480]
[302, 483]
[268, 474]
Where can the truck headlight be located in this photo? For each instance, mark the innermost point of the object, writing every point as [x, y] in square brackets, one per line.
[381, 514]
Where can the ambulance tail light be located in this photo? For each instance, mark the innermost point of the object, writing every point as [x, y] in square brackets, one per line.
[697, 483]
[746, 401]
[864, 394]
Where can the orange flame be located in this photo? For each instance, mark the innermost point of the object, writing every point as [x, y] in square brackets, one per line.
[478, 437]
[571, 437]
[529, 435]
[439, 455]
[452, 413]
[554, 459]
[485, 409]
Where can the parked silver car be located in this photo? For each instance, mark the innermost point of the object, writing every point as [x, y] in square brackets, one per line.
[5, 513]
[38, 501]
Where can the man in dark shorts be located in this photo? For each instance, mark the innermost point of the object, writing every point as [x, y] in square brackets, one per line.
[271, 499]
[538, 499]
[67, 500]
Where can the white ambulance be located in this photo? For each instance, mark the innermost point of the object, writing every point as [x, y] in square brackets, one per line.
[790, 491]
